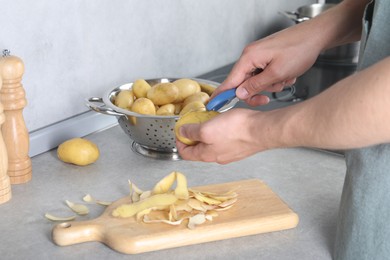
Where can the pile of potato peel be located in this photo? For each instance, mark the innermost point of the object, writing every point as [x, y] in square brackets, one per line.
[163, 204]
[173, 206]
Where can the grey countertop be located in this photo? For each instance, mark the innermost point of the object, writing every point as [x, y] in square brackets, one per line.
[309, 181]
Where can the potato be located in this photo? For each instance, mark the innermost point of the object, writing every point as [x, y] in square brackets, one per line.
[143, 106]
[166, 110]
[163, 93]
[178, 107]
[193, 106]
[195, 117]
[124, 99]
[206, 88]
[199, 96]
[140, 88]
[78, 151]
[186, 87]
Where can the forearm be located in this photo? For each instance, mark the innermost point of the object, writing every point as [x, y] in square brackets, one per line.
[353, 113]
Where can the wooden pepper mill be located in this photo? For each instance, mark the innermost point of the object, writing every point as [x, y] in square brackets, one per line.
[15, 134]
[5, 185]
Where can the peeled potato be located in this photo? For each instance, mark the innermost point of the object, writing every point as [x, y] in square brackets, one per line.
[199, 96]
[186, 87]
[193, 118]
[193, 106]
[143, 106]
[78, 151]
[166, 110]
[140, 88]
[163, 93]
[124, 99]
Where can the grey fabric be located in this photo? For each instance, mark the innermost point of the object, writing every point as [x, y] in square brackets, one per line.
[363, 230]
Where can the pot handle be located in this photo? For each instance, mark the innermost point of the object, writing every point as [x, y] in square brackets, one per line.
[91, 103]
[294, 16]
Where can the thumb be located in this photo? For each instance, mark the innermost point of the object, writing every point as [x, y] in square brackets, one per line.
[257, 83]
[190, 131]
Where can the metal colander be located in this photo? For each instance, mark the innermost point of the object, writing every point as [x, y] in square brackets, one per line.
[153, 135]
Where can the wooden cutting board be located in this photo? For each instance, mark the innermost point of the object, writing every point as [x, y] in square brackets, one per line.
[257, 210]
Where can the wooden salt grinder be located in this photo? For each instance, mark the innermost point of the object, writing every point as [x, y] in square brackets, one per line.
[5, 185]
[15, 134]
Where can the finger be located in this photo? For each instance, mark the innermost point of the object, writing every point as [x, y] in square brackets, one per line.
[258, 100]
[185, 151]
[190, 131]
[277, 87]
[194, 152]
[291, 82]
[280, 86]
[240, 72]
[260, 82]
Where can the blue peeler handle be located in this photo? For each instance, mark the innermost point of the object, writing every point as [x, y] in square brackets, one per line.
[221, 99]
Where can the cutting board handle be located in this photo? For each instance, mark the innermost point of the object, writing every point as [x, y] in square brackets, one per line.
[69, 233]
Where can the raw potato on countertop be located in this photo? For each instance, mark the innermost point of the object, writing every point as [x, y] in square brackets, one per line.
[78, 151]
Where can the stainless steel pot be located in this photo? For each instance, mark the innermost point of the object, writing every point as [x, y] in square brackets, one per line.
[321, 76]
[347, 53]
[307, 12]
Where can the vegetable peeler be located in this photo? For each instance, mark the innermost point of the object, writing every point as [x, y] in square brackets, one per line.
[221, 99]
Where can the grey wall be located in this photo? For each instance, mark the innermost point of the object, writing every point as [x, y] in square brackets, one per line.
[77, 48]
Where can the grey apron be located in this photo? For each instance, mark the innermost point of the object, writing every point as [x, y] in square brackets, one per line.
[363, 229]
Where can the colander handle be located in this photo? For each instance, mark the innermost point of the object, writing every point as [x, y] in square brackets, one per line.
[91, 103]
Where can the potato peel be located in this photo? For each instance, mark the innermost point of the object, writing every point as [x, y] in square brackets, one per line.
[135, 192]
[146, 219]
[77, 208]
[181, 190]
[196, 220]
[172, 213]
[165, 184]
[134, 188]
[145, 195]
[227, 203]
[103, 202]
[208, 200]
[129, 210]
[196, 204]
[88, 198]
[56, 218]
